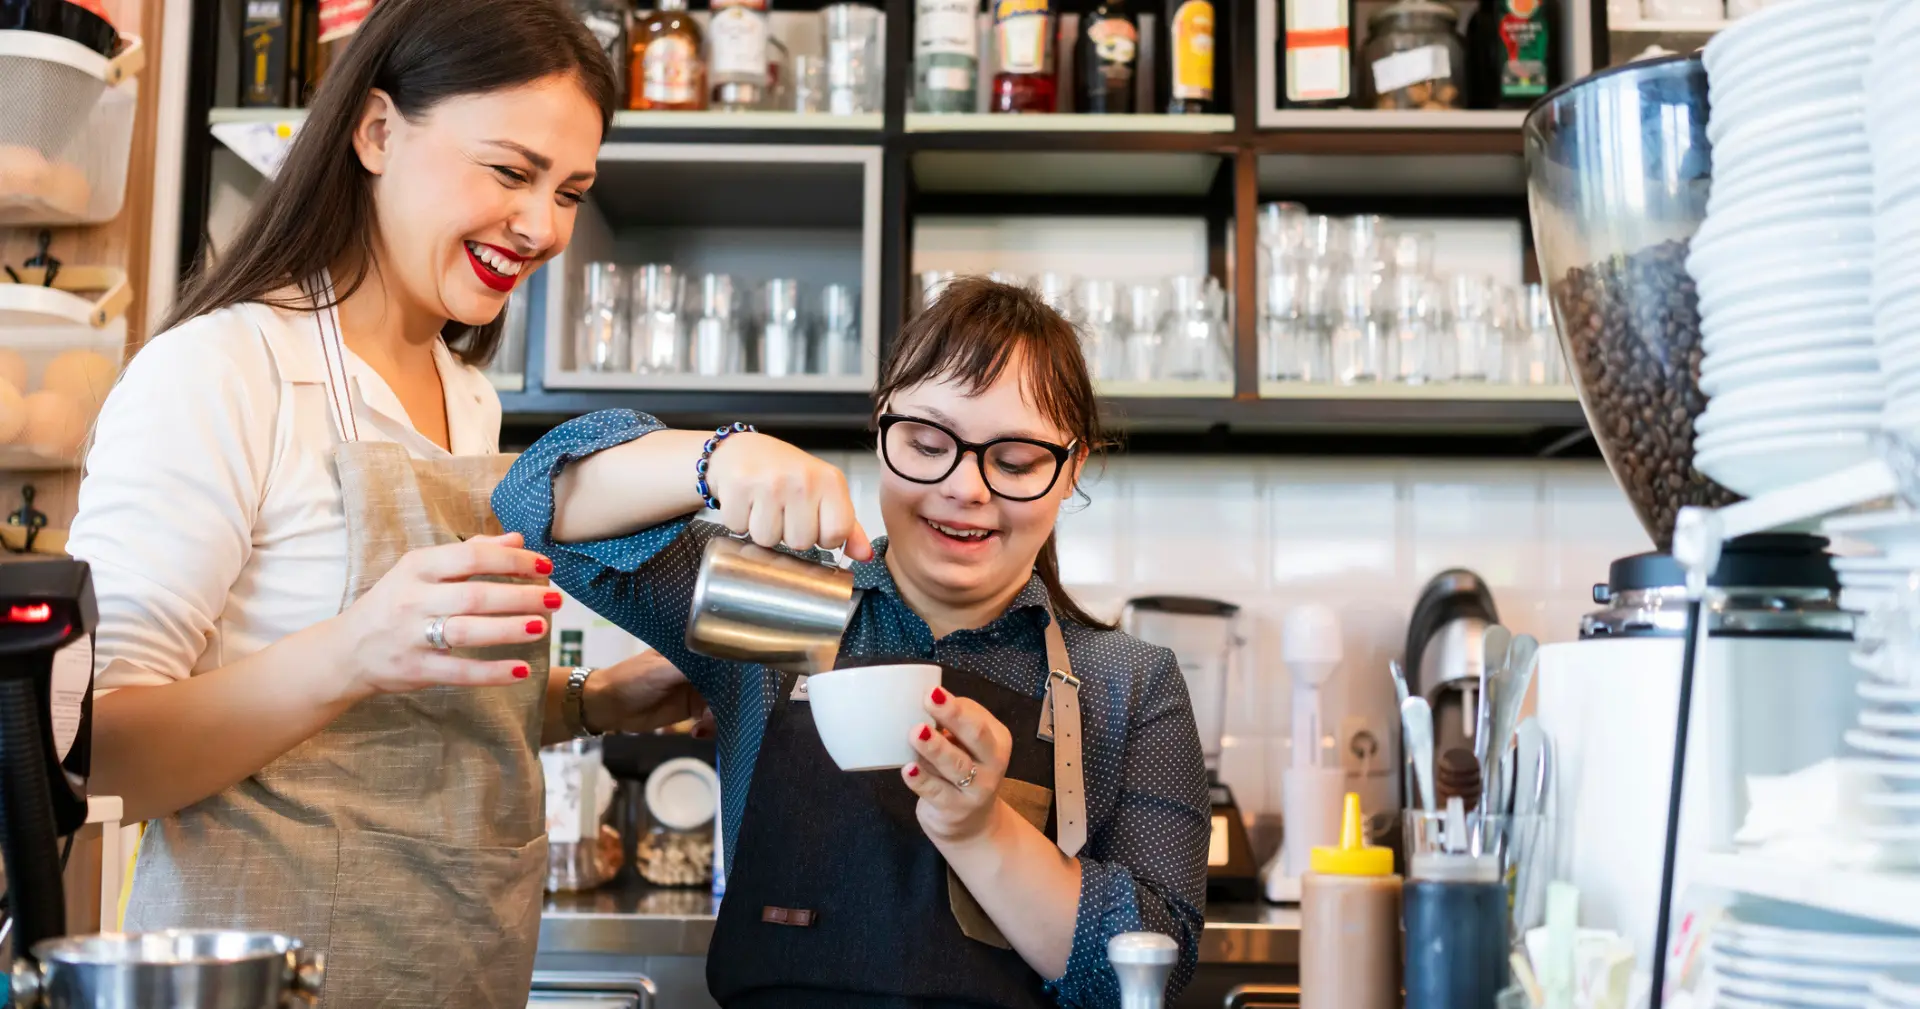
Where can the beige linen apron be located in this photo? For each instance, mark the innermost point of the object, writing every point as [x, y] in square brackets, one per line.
[405, 839]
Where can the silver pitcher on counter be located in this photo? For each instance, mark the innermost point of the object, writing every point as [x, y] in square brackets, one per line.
[753, 604]
[176, 970]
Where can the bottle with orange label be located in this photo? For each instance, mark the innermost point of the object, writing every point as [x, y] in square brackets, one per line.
[1189, 48]
[666, 71]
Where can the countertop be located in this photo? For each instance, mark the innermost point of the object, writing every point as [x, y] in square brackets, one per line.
[635, 919]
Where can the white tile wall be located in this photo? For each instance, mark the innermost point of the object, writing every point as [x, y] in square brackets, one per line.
[1361, 536]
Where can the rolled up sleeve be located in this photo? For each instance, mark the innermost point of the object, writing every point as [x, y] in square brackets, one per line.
[1145, 871]
[643, 582]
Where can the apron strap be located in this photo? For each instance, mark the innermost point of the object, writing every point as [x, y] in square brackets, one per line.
[1060, 723]
[334, 350]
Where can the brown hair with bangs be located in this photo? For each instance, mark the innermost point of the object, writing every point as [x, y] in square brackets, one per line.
[969, 335]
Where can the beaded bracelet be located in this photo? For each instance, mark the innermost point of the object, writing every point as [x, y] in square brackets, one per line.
[720, 434]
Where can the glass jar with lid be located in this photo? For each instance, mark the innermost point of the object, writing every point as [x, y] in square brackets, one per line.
[1414, 58]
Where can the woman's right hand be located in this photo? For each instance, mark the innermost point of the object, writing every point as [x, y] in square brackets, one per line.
[777, 494]
[383, 635]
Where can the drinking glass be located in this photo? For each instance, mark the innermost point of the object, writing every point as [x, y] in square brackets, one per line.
[714, 347]
[1007, 277]
[1470, 312]
[659, 337]
[600, 332]
[1141, 345]
[809, 83]
[1538, 319]
[853, 57]
[1364, 235]
[783, 341]
[1191, 348]
[1056, 289]
[932, 282]
[1358, 344]
[1282, 229]
[1098, 304]
[1411, 314]
[1319, 290]
[837, 345]
[1282, 312]
[1518, 357]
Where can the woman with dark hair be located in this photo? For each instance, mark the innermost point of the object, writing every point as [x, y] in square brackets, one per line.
[993, 870]
[322, 667]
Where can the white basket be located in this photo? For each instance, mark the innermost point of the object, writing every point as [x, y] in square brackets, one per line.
[66, 128]
[38, 327]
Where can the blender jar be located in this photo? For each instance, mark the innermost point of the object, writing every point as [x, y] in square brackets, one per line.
[1203, 634]
[1618, 167]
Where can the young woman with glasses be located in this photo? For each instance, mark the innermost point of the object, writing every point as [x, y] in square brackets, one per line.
[993, 870]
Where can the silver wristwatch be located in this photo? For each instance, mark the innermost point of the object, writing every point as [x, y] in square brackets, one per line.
[573, 712]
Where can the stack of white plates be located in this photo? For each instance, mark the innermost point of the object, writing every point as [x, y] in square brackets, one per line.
[1783, 262]
[1898, 990]
[1829, 962]
[1893, 131]
[1881, 581]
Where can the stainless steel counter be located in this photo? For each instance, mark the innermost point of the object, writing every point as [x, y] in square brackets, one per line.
[639, 920]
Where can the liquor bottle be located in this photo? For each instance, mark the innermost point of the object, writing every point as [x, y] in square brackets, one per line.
[1316, 53]
[946, 55]
[1189, 57]
[608, 21]
[1023, 30]
[1105, 55]
[737, 53]
[665, 72]
[339, 19]
[269, 49]
[1512, 53]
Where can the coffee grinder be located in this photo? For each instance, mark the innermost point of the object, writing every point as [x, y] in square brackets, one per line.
[47, 619]
[1204, 634]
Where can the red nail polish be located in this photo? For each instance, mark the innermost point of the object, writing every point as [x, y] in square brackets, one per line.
[939, 696]
[914, 771]
[552, 600]
[543, 566]
[521, 672]
[535, 626]
[926, 733]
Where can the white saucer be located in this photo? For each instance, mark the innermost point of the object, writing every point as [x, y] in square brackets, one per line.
[1884, 745]
[683, 793]
[1857, 361]
[1754, 467]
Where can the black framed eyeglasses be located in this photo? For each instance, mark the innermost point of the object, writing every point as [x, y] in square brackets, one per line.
[1018, 469]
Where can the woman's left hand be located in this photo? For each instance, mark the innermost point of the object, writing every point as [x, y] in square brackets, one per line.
[642, 694]
[963, 758]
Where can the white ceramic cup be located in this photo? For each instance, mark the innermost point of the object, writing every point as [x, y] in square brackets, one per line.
[866, 714]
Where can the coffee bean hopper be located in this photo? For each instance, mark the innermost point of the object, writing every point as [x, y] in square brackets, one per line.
[47, 618]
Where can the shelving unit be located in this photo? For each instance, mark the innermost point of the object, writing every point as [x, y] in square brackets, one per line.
[1213, 169]
[1893, 898]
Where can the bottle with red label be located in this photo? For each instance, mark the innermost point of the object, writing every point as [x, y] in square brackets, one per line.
[666, 71]
[1023, 33]
[1189, 62]
[339, 19]
[1104, 60]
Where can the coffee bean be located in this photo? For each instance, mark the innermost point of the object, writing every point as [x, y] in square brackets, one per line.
[1633, 335]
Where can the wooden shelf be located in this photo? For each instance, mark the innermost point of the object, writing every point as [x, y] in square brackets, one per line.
[977, 122]
[1396, 121]
[1431, 392]
[1880, 896]
[1668, 27]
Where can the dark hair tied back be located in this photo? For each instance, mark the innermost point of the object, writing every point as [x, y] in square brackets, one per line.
[421, 53]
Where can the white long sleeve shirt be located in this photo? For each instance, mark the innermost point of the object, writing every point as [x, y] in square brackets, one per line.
[210, 511]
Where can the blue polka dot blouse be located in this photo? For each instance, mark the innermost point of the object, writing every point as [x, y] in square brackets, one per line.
[1144, 867]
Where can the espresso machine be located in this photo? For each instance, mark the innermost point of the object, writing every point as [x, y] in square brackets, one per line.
[1204, 634]
[47, 620]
